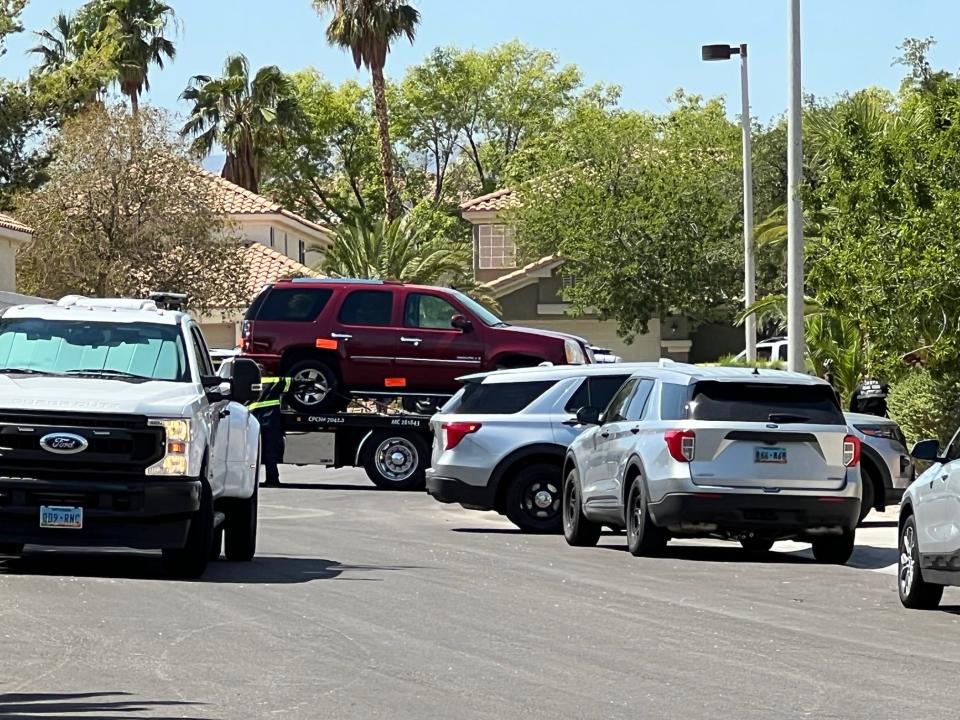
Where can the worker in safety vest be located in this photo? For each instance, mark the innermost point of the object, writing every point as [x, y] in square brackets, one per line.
[267, 411]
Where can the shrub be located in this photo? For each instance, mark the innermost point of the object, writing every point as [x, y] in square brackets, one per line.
[925, 405]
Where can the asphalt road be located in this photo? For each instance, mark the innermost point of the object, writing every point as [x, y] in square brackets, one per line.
[364, 604]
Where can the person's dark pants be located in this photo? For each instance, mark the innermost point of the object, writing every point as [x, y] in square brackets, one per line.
[271, 442]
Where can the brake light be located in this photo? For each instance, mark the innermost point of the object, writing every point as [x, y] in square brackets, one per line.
[454, 432]
[851, 451]
[681, 444]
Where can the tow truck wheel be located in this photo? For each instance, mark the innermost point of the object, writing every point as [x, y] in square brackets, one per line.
[241, 531]
[395, 461]
[191, 560]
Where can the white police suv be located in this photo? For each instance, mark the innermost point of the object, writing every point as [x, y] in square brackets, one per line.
[115, 431]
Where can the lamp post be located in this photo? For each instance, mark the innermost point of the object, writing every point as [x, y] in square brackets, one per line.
[724, 52]
[796, 340]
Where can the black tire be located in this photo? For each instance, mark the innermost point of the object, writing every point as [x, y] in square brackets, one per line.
[396, 461]
[11, 549]
[756, 545]
[868, 486]
[915, 592]
[577, 529]
[834, 549]
[216, 546]
[241, 526]
[191, 560]
[534, 499]
[643, 537]
[329, 395]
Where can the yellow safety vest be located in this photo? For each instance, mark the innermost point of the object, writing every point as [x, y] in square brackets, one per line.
[274, 388]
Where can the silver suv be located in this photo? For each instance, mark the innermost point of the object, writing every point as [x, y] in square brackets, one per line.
[499, 443]
[886, 467]
[685, 451]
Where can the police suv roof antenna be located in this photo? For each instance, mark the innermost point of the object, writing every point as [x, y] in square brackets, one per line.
[168, 300]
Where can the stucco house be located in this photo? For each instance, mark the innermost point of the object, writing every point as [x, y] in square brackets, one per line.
[13, 235]
[532, 294]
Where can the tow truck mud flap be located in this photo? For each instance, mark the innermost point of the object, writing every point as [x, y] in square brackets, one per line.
[315, 448]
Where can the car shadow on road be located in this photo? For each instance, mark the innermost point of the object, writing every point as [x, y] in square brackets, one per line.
[264, 569]
[867, 524]
[317, 486]
[100, 705]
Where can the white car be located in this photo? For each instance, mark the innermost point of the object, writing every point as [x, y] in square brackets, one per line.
[929, 527]
[115, 431]
[770, 350]
[686, 451]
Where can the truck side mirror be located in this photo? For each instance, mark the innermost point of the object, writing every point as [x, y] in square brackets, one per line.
[928, 450]
[588, 416]
[460, 322]
[244, 381]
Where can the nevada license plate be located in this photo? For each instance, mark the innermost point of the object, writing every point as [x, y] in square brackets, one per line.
[770, 455]
[55, 516]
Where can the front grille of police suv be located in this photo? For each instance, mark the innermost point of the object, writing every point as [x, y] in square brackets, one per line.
[118, 445]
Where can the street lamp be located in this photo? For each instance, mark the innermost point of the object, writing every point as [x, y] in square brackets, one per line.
[725, 52]
[796, 340]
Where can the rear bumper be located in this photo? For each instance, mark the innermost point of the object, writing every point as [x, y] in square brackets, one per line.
[451, 490]
[773, 515]
[136, 513]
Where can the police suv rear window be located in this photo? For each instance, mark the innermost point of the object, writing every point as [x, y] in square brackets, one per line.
[500, 398]
[765, 402]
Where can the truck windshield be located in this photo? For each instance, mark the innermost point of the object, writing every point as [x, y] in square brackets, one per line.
[484, 315]
[131, 351]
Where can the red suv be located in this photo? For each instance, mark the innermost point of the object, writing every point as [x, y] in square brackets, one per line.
[373, 337]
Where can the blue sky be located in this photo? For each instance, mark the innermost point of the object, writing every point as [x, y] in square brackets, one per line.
[650, 47]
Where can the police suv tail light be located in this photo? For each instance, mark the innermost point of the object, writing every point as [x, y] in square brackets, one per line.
[851, 451]
[177, 436]
[454, 432]
[681, 444]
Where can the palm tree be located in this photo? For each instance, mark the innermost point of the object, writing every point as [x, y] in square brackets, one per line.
[399, 250]
[58, 47]
[139, 37]
[244, 117]
[367, 28]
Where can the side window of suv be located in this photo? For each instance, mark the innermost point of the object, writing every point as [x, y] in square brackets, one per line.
[617, 410]
[953, 449]
[428, 312]
[594, 392]
[291, 304]
[373, 308]
[638, 402]
[203, 355]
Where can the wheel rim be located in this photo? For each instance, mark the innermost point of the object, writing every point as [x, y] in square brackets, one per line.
[541, 500]
[319, 389]
[907, 564]
[396, 459]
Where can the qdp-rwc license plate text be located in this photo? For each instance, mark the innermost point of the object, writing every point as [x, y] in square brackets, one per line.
[54, 516]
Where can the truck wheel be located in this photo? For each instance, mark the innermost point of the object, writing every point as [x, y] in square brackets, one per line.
[395, 462]
[324, 396]
[241, 530]
[534, 499]
[834, 549]
[191, 560]
[577, 529]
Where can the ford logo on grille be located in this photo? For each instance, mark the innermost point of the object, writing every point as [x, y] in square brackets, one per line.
[63, 443]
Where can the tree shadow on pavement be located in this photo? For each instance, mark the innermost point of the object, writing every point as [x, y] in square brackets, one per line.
[264, 569]
[100, 705]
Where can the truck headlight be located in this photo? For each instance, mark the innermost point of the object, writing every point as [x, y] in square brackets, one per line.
[574, 352]
[177, 436]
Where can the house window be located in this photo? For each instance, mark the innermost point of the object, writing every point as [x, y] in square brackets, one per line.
[497, 249]
[567, 282]
[302, 253]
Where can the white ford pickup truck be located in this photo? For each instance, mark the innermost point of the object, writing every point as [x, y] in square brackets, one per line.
[115, 431]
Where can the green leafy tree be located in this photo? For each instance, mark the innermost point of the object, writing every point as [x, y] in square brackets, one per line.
[10, 19]
[125, 211]
[367, 28]
[58, 46]
[644, 210]
[139, 28]
[248, 118]
[329, 165]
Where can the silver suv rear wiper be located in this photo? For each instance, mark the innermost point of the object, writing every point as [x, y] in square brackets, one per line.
[781, 418]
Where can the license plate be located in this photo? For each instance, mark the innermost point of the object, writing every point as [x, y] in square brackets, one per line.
[770, 455]
[55, 516]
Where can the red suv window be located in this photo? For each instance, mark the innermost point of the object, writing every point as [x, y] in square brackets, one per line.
[292, 304]
[367, 307]
[428, 311]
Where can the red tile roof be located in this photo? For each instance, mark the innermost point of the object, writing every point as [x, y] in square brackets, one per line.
[499, 200]
[10, 224]
[519, 274]
[266, 265]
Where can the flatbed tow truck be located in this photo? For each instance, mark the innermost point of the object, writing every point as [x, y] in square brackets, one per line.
[392, 446]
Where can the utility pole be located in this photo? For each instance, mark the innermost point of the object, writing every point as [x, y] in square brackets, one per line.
[796, 347]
